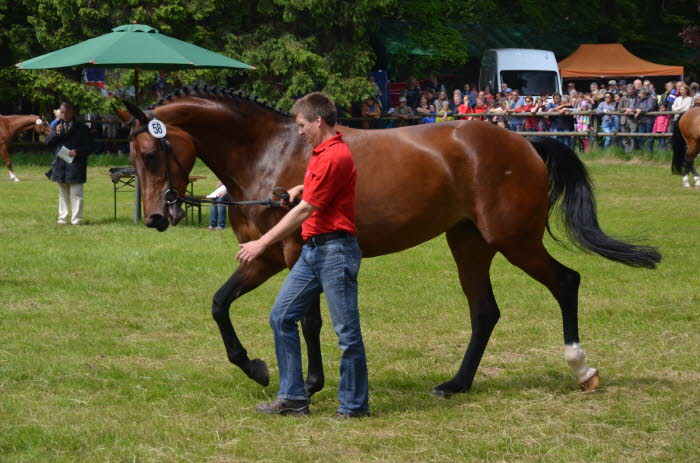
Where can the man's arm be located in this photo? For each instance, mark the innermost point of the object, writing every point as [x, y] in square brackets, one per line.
[290, 222]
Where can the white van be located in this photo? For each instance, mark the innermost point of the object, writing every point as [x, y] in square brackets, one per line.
[526, 70]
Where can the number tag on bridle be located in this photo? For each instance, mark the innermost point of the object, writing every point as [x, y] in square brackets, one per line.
[156, 128]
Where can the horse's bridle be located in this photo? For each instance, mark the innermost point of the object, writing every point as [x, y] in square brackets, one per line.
[171, 195]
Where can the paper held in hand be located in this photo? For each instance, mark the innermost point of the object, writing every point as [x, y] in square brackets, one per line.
[63, 154]
[218, 192]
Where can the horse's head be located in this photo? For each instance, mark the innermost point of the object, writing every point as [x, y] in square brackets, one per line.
[162, 166]
[41, 126]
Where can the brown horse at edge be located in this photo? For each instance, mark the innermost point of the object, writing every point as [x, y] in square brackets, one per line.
[488, 189]
[11, 127]
[686, 144]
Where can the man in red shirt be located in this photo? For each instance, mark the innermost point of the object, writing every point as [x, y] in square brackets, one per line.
[329, 262]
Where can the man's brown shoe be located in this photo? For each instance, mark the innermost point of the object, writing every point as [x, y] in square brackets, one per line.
[284, 407]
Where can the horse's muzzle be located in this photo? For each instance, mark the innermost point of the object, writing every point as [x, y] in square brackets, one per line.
[158, 221]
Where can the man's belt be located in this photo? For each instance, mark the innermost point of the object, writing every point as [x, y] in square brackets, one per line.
[318, 240]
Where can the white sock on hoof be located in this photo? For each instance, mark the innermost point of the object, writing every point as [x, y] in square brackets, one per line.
[13, 177]
[575, 357]
[685, 181]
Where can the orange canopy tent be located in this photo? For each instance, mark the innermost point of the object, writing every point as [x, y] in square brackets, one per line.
[611, 60]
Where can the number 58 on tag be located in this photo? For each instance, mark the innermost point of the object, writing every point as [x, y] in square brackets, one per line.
[156, 128]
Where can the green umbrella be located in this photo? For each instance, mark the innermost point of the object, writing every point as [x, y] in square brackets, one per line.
[134, 46]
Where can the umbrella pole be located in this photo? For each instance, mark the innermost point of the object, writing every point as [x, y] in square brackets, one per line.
[137, 97]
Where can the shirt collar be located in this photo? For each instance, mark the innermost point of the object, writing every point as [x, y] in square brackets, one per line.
[328, 143]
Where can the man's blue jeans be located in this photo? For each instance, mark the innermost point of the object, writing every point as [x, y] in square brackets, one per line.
[646, 142]
[608, 127]
[331, 267]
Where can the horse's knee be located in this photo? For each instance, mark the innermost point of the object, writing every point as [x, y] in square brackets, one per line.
[220, 306]
[311, 324]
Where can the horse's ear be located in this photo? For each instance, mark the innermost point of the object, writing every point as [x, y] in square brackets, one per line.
[123, 115]
[136, 112]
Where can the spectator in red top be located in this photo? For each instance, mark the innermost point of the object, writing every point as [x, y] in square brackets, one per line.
[480, 107]
[465, 107]
[530, 121]
[326, 215]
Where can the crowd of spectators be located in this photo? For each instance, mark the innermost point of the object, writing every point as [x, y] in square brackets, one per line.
[621, 106]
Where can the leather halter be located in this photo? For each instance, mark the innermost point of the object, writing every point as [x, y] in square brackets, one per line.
[171, 196]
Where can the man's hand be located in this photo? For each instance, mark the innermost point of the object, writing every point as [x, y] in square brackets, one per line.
[295, 194]
[249, 251]
[72, 153]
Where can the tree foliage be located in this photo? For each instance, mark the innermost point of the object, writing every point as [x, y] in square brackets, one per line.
[298, 46]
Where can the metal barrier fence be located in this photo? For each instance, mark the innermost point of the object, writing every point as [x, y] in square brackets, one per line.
[591, 134]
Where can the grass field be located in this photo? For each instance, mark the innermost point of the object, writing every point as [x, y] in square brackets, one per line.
[108, 351]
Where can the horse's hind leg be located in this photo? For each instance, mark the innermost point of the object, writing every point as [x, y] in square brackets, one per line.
[563, 282]
[473, 257]
[8, 163]
[311, 328]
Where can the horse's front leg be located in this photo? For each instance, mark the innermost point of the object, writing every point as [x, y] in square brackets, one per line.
[311, 328]
[246, 278]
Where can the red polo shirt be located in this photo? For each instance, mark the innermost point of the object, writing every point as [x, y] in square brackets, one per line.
[329, 184]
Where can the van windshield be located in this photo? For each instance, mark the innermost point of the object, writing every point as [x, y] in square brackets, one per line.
[531, 82]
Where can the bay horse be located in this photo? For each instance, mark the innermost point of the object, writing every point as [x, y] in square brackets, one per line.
[686, 144]
[11, 127]
[488, 189]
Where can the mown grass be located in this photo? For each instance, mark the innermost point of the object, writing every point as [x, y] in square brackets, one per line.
[108, 351]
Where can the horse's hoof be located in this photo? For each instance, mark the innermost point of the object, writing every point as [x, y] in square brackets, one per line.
[259, 372]
[591, 384]
[312, 386]
[447, 390]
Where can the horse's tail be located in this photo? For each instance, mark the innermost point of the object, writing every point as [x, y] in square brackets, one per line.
[570, 182]
[679, 148]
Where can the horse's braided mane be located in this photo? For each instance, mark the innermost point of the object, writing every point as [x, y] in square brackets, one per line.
[208, 92]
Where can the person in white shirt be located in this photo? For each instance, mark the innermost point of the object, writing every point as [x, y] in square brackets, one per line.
[683, 101]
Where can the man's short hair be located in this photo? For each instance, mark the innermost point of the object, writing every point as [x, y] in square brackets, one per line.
[314, 105]
[65, 104]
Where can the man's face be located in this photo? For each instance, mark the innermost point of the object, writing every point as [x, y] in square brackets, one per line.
[637, 84]
[66, 112]
[557, 99]
[504, 87]
[457, 99]
[311, 130]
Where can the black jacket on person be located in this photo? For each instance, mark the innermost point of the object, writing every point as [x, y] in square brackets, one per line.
[76, 137]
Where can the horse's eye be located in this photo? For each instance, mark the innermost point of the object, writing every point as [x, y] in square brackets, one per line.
[150, 156]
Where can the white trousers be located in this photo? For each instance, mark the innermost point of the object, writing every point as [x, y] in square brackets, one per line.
[72, 192]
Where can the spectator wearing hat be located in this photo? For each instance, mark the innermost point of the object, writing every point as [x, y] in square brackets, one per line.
[403, 113]
[606, 107]
[646, 103]
[612, 86]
